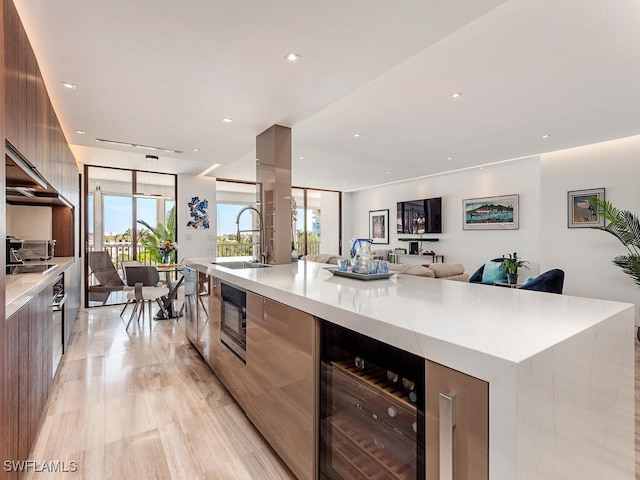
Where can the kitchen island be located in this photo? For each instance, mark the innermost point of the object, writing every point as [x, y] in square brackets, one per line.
[559, 369]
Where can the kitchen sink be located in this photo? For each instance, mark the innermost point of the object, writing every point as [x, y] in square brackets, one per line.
[240, 265]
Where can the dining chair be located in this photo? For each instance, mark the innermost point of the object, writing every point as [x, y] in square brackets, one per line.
[146, 288]
[125, 264]
[105, 273]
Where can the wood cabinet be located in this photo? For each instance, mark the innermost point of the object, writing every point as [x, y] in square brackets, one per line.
[215, 322]
[15, 71]
[228, 366]
[282, 375]
[31, 124]
[457, 424]
[11, 374]
[277, 387]
[28, 373]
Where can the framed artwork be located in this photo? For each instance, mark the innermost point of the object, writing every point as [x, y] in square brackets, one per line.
[379, 226]
[490, 213]
[198, 213]
[580, 215]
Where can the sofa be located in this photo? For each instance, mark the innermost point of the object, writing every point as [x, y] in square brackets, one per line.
[443, 271]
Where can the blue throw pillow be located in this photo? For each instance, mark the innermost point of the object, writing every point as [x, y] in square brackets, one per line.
[528, 280]
[493, 272]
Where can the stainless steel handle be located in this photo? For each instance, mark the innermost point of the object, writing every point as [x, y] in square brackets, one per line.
[447, 417]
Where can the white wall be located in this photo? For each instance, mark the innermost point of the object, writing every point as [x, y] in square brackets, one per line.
[196, 242]
[470, 247]
[28, 222]
[544, 238]
[585, 254]
[328, 207]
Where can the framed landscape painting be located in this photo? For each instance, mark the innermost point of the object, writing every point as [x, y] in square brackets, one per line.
[580, 215]
[490, 213]
[379, 226]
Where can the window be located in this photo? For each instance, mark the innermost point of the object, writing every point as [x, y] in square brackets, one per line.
[231, 197]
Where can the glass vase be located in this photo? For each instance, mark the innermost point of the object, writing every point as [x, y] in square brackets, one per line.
[363, 261]
[166, 259]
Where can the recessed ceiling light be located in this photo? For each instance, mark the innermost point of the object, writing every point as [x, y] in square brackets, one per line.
[70, 86]
[449, 158]
[301, 158]
[227, 120]
[388, 173]
[546, 135]
[80, 132]
[292, 57]
[196, 149]
[456, 94]
[357, 135]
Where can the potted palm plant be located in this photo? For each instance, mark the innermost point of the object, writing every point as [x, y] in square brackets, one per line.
[159, 241]
[511, 266]
[625, 226]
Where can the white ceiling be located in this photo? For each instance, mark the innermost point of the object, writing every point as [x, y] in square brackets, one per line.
[155, 73]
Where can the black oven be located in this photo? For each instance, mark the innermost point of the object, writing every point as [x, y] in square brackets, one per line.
[233, 331]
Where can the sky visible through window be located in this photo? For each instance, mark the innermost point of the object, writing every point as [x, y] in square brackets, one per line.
[118, 213]
[226, 219]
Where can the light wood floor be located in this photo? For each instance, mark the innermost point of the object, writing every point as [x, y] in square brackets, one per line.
[145, 406]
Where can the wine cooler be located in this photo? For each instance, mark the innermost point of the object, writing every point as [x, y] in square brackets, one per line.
[372, 404]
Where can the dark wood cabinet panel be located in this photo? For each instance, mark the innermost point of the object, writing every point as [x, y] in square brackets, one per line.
[28, 368]
[11, 375]
[24, 395]
[15, 64]
[42, 128]
[62, 230]
[31, 105]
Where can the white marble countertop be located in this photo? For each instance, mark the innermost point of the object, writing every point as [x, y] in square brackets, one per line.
[21, 288]
[477, 329]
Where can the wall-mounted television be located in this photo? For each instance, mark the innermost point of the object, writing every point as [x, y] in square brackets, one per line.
[420, 216]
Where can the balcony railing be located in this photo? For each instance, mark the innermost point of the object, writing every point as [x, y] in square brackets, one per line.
[123, 251]
[246, 249]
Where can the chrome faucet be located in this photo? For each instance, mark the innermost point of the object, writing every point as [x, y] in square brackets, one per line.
[261, 252]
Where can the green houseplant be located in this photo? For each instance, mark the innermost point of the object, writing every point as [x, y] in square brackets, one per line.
[159, 241]
[511, 266]
[625, 226]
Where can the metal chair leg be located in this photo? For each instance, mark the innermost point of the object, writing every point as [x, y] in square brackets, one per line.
[162, 309]
[133, 312]
[125, 307]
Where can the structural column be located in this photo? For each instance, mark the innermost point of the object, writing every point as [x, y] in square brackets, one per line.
[273, 174]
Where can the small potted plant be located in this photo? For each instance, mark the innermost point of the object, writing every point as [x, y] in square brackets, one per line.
[511, 266]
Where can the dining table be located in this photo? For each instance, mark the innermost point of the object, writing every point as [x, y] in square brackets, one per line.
[169, 269]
